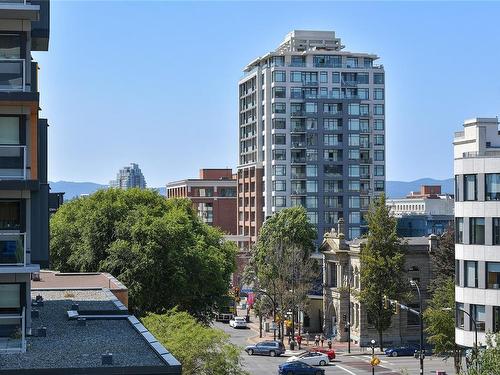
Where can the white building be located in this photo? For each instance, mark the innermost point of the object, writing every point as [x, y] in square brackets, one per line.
[477, 220]
[441, 205]
[129, 177]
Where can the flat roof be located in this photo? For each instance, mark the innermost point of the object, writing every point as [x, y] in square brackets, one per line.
[80, 280]
[71, 348]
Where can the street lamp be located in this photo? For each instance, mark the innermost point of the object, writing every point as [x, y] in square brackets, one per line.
[414, 284]
[373, 354]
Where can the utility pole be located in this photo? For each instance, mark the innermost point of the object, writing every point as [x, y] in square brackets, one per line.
[349, 310]
[421, 316]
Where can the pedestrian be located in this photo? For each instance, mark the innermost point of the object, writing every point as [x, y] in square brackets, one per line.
[316, 340]
[307, 338]
[299, 339]
[330, 343]
[322, 340]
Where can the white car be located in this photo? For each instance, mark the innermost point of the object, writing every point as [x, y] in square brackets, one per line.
[311, 358]
[238, 322]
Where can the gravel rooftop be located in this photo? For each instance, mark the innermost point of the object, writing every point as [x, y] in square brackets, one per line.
[68, 345]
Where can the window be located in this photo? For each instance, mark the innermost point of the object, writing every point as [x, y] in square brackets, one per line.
[476, 230]
[496, 319]
[279, 107]
[479, 314]
[279, 154]
[312, 171]
[279, 92]
[379, 155]
[312, 155]
[10, 301]
[279, 170]
[279, 139]
[227, 192]
[354, 232]
[335, 77]
[363, 78]
[298, 61]
[311, 186]
[323, 77]
[333, 202]
[332, 170]
[492, 186]
[378, 78]
[311, 107]
[279, 201]
[352, 62]
[279, 123]
[10, 46]
[379, 140]
[206, 212]
[331, 139]
[312, 139]
[333, 274]
[354, 202]
[331, 124]
[354, 186]
[470, 190]
[311, 123]
[364, 126]
[459, 230]
[493, 275]
[368, 63]
[278, 61]
[332, 186]
[378, 124]
[279, 185]
[354, 171]
[354, 217]
[205, 192]
[379, 185]
[353, 109]
[313, 217]
[10, 215]
[312, 202]
[353, 139]
[379, 170]
[470, 273]
[378, 94]
[363, 94]
[378, 109]
[9, 130]
[331, 217]
[296, 93]
[332, 108]
[460, 315]
[332, 155]
[457, 272]
[354, 124]
[279, 76]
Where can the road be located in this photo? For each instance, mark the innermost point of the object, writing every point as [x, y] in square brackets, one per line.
[344, 364]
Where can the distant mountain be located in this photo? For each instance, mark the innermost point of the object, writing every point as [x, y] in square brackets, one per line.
[75, 189]
[400, 189]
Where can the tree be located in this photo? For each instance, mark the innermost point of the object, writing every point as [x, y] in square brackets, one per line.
[202, 350]
[280, 262]
[159, 248]
[443, 259]
[382, 266]
[488, 360]
[440, 321]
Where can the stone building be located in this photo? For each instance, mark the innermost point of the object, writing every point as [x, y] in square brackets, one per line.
[341, 282]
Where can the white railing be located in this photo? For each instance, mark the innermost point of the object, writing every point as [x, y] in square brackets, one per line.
[13, 151]
[13, 249]
[16, 341]
[12, 74]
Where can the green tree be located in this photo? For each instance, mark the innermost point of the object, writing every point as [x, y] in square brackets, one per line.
[488, 360]
[202, 350]
[382, 266]
[443, 259]
[159, 248]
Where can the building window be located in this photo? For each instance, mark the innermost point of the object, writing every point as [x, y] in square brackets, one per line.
[332, 170]
[493, 275]
[279, 201]
[9, 131]
[279, 139]
[353, 140]
[379, 185]
[496, 319]
[379, 155]
[323, 77]
[492, 186]
[333, 202]
[313, 217]
[335, 77]
[227, 192]
[353, 109]
[279, 154]
[10, 301]
[354, 171]
[378, 94]
[279, 185]
[457, 272]
[378, 124]
[470, 187]
[362, 78]
[333, 274]
[312, 202]
[354, 124]
[378, 109]
[459, 230]
[311, 123]
[332, 217]
[332, 186]
[311, 186]
[378, 78]
[10, 215]
[456, 189]
[354, 154]
[470, 268]
[311, 107]
[354, 232]
[279, 123]
[279, 92]
[279, 170]
[354, 218]
[354, 202]
[379, 170]
[312, 155]
[479, 314]
[379, 140]
[363, 94]
[205, 212]
[312, 171]
[331, 139]
[352, 62]
[354, 186]
[460, 315]
[332, 108]
[331, 124]
[279, 107]
[476, 230]
[279, 76]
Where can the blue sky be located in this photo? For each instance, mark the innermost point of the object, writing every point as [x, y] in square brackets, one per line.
[156, 82]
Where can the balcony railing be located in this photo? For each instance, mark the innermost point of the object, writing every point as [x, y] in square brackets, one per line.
[13, 249]
[12, 1]
[12, 75]
[12, 332]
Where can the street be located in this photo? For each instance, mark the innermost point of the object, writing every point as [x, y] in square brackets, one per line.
[354, 364]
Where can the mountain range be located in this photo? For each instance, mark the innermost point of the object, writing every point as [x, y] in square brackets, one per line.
[394, 189]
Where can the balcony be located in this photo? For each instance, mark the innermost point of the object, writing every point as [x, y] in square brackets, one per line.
[13, 249]
[12, 332]
[298, 114]
[298, 144]
[12, 75]
[298, 159]
[13, 162]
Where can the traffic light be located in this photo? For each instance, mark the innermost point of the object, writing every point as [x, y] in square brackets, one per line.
[344, 317]
[395, 308]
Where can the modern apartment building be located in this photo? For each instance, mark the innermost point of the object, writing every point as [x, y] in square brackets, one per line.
[477, 220]
[129, 177]
[423, 213]
[311, 133]
[24, 27]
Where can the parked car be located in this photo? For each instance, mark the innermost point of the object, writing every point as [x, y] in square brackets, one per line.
[238, 322]
[311, 358]
[299, 368]
[329, 352]
[405, 350]
[272, 348]
[223, 317]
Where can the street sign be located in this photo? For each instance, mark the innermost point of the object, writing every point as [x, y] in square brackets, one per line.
[375, 361]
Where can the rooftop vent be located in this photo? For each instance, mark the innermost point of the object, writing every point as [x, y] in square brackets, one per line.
[107, 359]
[42, 332]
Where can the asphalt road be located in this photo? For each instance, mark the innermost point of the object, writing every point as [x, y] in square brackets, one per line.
[344, 364]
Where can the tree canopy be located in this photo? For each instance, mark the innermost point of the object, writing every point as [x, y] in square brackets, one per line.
[202, 350]
[158, 248]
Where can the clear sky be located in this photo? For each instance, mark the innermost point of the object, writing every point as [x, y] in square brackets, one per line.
[156, 82]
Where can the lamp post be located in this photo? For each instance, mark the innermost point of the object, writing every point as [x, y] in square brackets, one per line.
[414, 284]
[373, 354]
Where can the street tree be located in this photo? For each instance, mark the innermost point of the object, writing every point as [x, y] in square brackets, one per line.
[201, 349]
[159, 248]
[443, 259]
[488, 359]
[382, 266]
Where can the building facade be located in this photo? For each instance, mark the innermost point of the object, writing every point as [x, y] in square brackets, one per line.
[424, 213]
[24, 27]
[341, 280]
[311, 133]
[477, 229]
[128, 178]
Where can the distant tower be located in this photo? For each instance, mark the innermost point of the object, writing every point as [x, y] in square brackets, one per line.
[129, 177]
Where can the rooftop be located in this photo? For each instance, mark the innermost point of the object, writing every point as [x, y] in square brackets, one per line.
[69, 345]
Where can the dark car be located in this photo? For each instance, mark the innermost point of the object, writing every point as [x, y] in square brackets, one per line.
[299, 368]
[406, 350]
[272, 348]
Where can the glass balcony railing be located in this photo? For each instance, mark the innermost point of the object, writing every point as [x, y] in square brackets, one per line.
[13, 162]
[12, 332]
[12, 75]
[13, 249]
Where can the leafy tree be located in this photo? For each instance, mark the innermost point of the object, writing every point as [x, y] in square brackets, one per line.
[202, 350]
[443, 259]
[159, 248]
[488, 360]
[382, 266]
